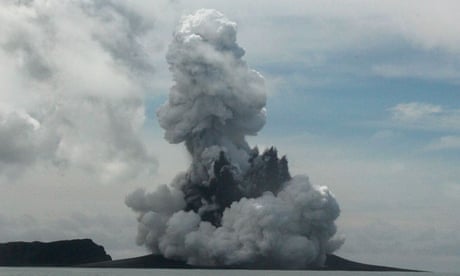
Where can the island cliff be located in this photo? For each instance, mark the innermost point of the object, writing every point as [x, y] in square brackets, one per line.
[58, 253]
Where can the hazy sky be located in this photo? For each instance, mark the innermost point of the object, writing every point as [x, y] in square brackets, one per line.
[363, 97]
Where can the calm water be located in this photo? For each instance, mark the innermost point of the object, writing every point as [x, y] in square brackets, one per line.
[7, 271]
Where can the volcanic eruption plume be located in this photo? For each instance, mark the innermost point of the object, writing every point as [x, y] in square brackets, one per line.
[234, 206]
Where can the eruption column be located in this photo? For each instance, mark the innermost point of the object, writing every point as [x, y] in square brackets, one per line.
[234, 206]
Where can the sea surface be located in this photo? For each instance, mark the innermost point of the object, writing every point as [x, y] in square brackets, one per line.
[40, 271]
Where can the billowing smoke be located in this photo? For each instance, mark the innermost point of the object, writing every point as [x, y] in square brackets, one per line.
[234, 205]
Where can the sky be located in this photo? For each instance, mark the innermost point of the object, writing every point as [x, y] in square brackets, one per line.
[363, 97]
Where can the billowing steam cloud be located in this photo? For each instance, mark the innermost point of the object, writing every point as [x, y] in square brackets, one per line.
[234, 206]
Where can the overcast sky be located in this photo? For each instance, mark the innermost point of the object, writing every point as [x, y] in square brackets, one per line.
[363, 97]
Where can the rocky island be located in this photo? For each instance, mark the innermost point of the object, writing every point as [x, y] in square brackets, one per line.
[333, 263]
[57, 253]
[86, 253]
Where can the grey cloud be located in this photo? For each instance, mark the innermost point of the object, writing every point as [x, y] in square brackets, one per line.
[80, 72]
[125, 43]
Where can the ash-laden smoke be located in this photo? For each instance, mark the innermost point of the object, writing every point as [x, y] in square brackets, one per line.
[234, 206]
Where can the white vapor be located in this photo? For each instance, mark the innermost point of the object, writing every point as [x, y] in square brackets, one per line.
[72, 82]
[216, 99]
[215, 102]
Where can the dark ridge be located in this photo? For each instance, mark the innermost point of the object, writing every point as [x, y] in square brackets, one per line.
[147, 261]
[333, 263]
[58, 253]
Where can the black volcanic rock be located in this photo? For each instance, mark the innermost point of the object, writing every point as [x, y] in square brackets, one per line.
[147, 261]
[58, 253]
[86, 253]
[333, 263]
[266, 173]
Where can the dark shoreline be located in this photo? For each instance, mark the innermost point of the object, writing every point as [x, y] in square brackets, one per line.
[333, 263]
[86, 253]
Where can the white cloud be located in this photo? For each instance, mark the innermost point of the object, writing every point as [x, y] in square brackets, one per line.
[73, 78]
[312, 33]
[22, 140]
[426, 23]
[438, 120]
[414, 111]
[428, 70]
[429, 24]
[425, 116]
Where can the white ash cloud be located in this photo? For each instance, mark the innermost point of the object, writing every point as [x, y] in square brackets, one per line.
[214, 89]
[215, 213]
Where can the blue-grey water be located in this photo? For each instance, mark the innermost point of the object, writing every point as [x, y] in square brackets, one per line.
[34, 271]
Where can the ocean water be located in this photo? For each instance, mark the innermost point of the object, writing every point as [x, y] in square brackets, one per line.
[40, 271]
